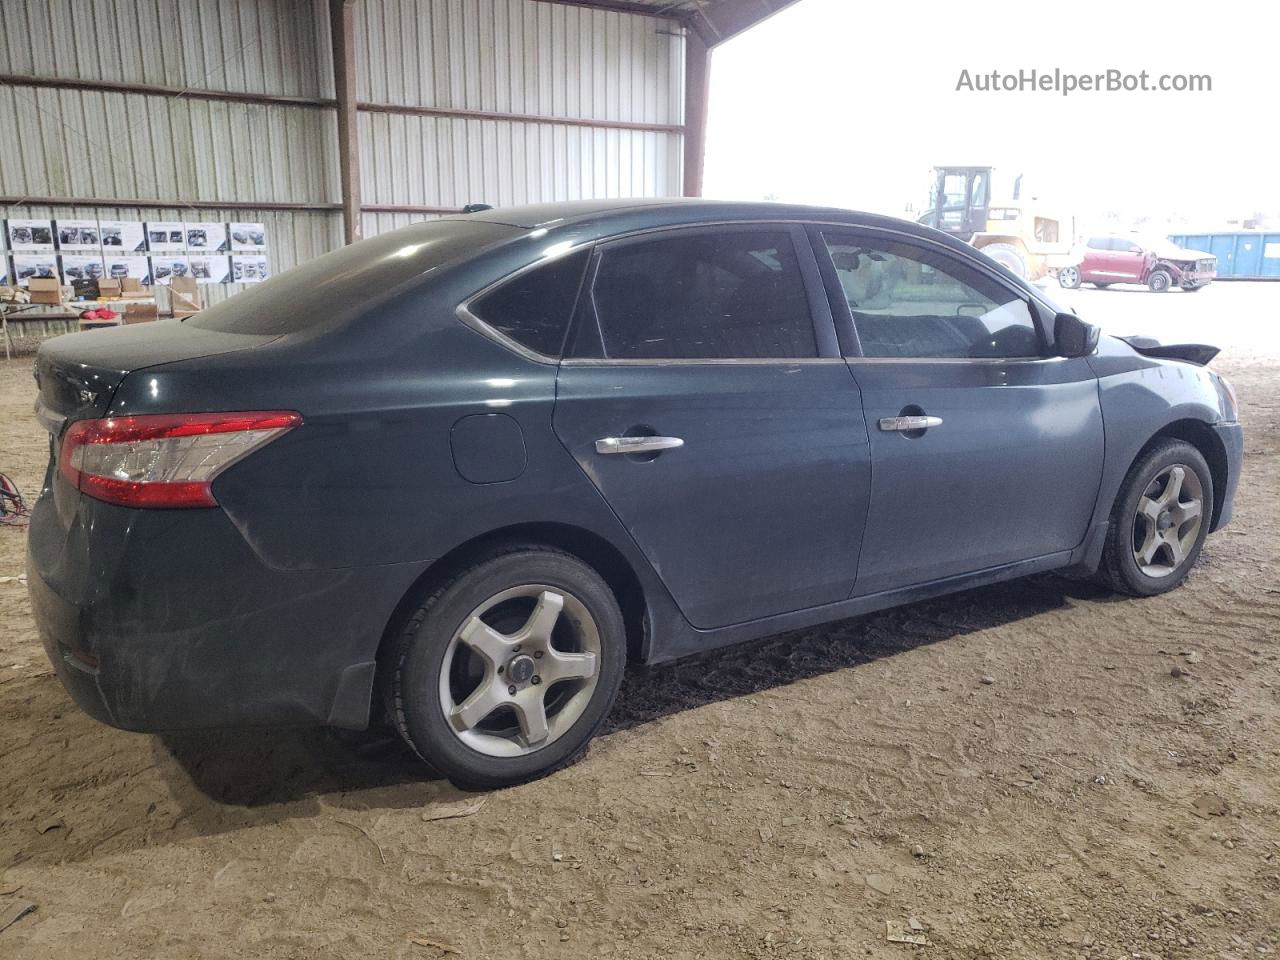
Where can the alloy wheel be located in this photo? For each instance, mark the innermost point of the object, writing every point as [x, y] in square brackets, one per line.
[1167, 522]
[520, 670]
[1069, 278]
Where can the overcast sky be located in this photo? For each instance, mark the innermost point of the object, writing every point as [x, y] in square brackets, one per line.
[850, 103]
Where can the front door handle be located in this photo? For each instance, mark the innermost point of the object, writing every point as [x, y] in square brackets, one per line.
[908, 424]
[637, 444]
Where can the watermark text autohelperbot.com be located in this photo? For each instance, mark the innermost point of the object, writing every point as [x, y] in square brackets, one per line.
[1065, 83]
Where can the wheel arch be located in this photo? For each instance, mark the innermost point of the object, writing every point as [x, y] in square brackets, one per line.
[1201, 436]
[591, 548]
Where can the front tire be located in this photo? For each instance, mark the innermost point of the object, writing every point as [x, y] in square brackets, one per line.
[1102, 286]
[1159, 522]
[1008, 256]
[507, 671]
[1159, 281]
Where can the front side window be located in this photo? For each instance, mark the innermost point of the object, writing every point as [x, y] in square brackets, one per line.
[534, 308]
[736, 294]
[919, 302]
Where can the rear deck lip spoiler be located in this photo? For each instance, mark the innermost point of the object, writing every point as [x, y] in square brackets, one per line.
[1197, 353]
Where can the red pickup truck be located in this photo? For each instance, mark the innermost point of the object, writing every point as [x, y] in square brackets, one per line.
[1160, 265]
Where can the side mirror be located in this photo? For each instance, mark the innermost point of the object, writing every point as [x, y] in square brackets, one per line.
[1072, 337]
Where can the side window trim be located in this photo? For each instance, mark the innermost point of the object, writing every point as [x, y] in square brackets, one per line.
[825, 338]
[847, 329]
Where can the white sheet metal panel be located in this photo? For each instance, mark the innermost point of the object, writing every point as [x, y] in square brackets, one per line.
[83, 143]
[246, 46]
[448, 162]
[515, 56]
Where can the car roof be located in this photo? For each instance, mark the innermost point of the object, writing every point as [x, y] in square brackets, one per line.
[661, 210]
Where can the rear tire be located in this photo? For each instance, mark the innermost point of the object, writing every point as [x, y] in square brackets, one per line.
[475, 639]
[1195, 287]
[1159, 281]
[1069, 278]
[1155, 537]
[1008, 256]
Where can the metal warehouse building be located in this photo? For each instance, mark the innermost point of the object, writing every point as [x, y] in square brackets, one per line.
[328, 121]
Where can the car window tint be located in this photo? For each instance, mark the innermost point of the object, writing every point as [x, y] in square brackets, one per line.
[534, 308]
[910, 301]
[703, 295]
[1098, 243]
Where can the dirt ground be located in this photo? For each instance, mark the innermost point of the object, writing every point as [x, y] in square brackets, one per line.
[1036, 769]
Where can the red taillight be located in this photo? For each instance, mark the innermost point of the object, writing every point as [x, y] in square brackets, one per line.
[163, 460]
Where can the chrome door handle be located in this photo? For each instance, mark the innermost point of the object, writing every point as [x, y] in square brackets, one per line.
[908, 424]
[637, 444]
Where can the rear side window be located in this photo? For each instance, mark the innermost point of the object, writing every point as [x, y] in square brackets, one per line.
[920, 302]
[1099, 243]
[735, 294]
[534, 308]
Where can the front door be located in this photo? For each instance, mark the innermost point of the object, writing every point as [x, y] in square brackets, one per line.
[718, 420]
[984, 451]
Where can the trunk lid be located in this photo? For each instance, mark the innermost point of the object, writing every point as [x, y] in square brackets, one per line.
[77, 375]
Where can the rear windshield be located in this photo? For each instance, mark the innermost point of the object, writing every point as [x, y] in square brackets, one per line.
[338, 283]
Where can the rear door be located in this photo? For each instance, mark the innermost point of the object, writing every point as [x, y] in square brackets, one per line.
[704, 395]
[985, 451]
[1128, 260]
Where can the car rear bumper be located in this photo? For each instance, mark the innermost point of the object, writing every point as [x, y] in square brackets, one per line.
[1232, 437]
[167, 620]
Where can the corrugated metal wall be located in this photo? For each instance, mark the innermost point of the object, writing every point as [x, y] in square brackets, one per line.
[513, 56]
[83, 143]
[503, 56]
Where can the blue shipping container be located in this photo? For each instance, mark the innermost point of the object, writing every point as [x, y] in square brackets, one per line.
[1246, 255]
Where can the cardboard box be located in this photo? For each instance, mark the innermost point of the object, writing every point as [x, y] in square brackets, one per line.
[141, 312]
[131, 288]
[184, 297]
[108, 289]
[45, 290]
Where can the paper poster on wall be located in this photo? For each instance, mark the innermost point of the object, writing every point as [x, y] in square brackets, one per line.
[165, 267]
[81, 267]
[122, 236]
[249, 269]
[210, 269]
[166, 237]
[30, 235]
[26, 266]
[6, 272]
[206, 237]
[117, 268]
[248, 236]
[78, 235]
